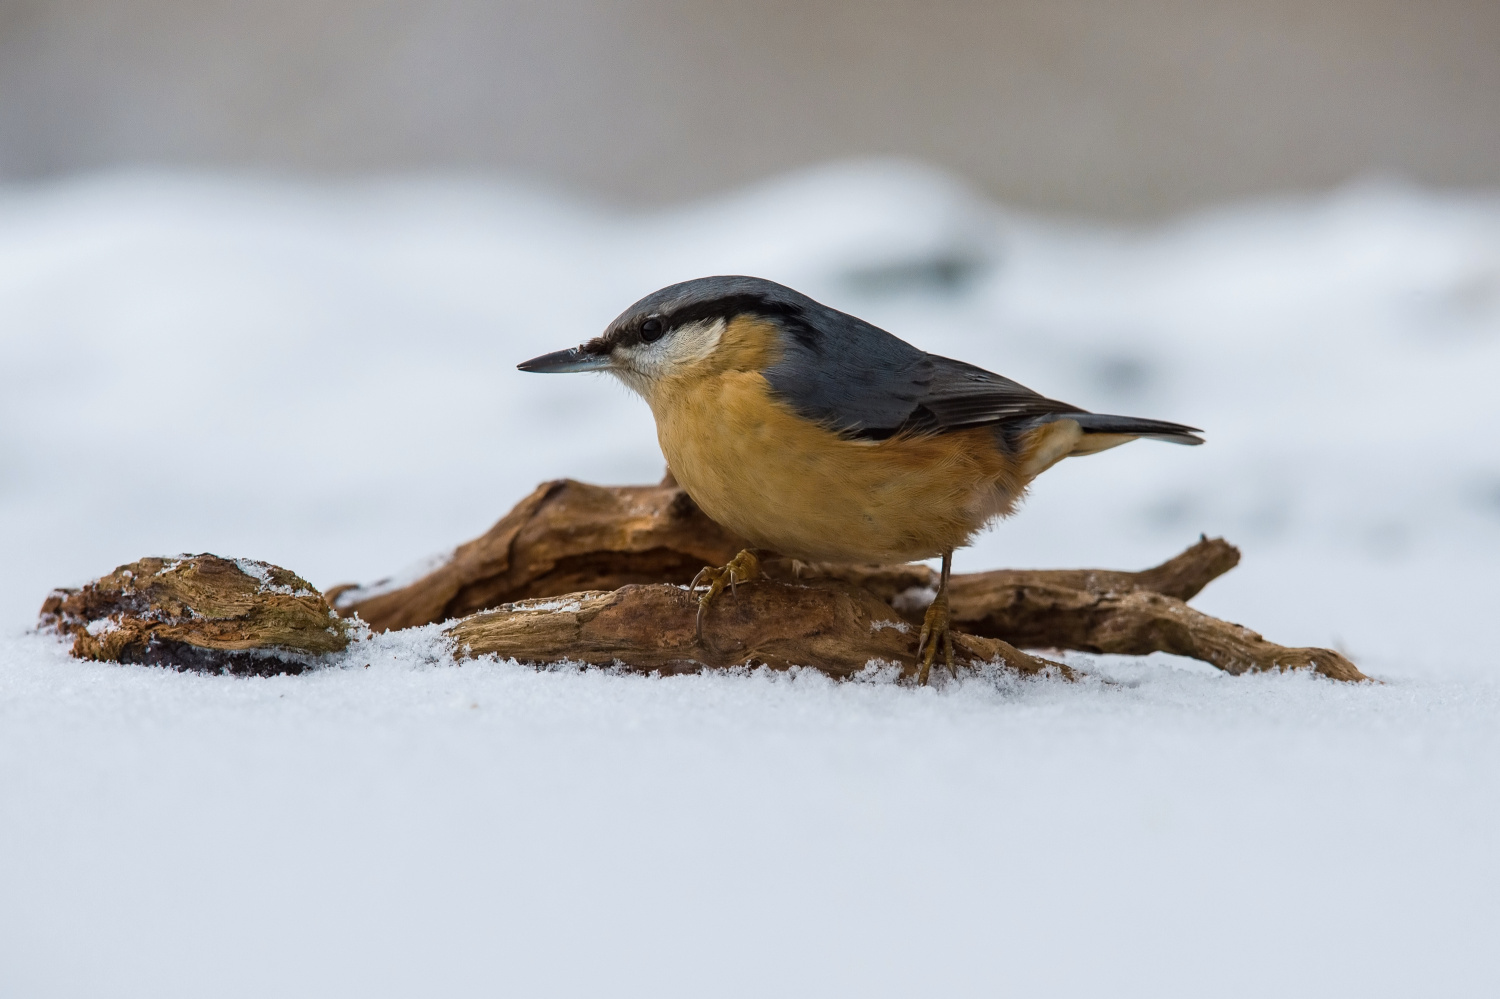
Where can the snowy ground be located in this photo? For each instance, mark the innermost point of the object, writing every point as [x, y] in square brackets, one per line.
[323, 377]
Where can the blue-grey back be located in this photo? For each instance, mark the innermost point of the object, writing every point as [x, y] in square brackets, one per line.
[861, 381]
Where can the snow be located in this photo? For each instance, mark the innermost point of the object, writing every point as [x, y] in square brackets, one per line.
[261, 573]
[546, 605]
[322, 377]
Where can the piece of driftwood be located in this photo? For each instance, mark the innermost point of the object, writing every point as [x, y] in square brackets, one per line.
[565, 537]
[828, 624]
[212, 614]
[198, 612]
[568, 537]
[1127, 621]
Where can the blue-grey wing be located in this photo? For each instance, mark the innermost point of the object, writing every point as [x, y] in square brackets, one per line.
[865, 383]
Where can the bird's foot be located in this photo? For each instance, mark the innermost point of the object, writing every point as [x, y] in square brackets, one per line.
[741, 569]
[935, 632]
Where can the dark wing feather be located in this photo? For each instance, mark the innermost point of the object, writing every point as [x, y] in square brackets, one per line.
[958, 395]
[866, 383]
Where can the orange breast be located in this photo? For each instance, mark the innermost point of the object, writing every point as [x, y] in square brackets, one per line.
[791, 486]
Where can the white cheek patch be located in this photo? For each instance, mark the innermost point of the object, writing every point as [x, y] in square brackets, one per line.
[680, 348]
[642, 364]
[693, 342]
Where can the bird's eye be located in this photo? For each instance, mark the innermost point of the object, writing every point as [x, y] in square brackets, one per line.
[651, 330]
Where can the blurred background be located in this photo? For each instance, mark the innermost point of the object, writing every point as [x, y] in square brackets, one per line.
[266, 269]
[1124, 109]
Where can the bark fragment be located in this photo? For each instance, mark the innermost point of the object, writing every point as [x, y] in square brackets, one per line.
[198, 612]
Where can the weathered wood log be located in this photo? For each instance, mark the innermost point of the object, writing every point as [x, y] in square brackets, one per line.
[198, 612]
[830, 625]
[565, 537]
[212, 614]
[568, 537]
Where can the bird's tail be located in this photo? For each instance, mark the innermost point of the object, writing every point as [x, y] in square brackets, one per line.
[1133, 426]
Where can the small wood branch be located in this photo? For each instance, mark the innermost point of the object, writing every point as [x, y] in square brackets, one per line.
[830, 625]
[1183, 576]
[1133, 622]
[198, 612]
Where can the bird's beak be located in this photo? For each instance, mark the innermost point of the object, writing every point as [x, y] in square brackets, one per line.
[560, 361]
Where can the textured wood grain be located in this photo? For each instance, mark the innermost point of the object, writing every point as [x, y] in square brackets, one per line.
[198, 612]
[1127, 621]
[828, 625]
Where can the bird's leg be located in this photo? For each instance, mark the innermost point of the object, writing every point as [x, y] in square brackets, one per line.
[741, 569]
[935, 629]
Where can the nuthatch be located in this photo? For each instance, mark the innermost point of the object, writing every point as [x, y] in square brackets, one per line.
[820, 437]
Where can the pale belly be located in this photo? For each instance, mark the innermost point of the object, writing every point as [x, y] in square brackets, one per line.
[792, 487]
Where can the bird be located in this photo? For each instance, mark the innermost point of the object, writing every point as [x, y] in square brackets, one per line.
[820, 437]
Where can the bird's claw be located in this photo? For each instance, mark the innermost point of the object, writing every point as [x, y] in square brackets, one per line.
[935, 632]
[740, 569]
